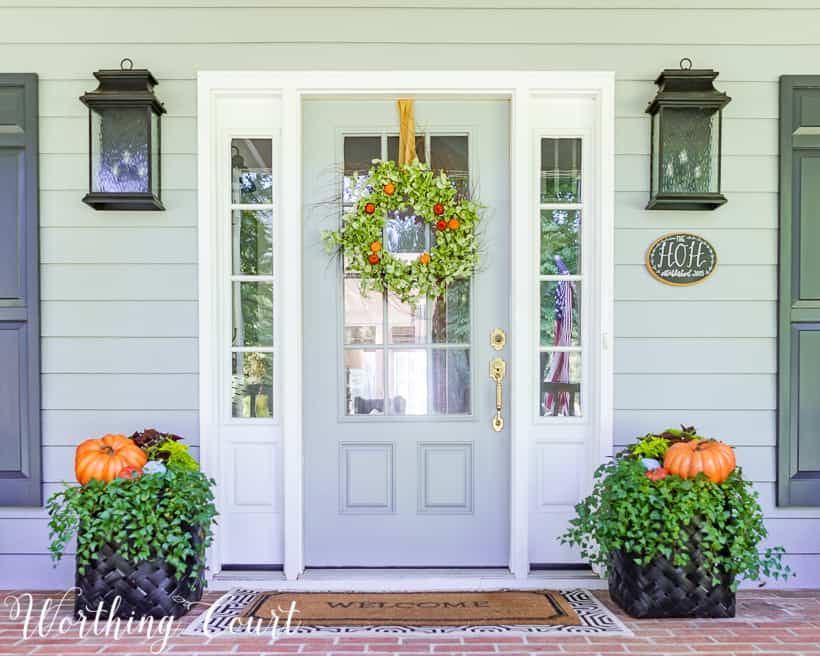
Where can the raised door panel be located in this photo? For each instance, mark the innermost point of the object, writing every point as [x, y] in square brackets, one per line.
[806, 344]
[12, 378]
[12, 225]
[807, 226]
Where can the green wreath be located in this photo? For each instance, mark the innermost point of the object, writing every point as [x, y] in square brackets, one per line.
[391, 187]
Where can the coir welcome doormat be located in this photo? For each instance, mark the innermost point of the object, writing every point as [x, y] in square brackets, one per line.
[540, 611]
[418, 608]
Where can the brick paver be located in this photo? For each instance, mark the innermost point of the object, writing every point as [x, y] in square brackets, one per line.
[774, 623]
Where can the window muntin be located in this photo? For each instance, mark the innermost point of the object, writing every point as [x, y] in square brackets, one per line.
[560, 272]
[251, 279]
[418, 360]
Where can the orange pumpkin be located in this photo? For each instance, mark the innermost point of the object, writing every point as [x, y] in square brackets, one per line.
[104, 458]
[687, 459]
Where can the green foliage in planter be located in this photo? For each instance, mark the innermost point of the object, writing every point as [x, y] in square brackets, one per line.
[144, 518]
[627, 511]
[175, 454]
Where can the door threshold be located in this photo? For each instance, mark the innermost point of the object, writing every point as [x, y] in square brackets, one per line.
[406, 580]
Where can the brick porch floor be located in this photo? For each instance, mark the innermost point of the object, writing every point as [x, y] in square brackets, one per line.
[768, 622]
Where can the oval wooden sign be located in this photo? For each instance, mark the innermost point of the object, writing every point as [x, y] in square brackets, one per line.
[681, 258]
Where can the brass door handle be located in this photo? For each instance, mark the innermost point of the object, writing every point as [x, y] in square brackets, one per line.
[498, 369]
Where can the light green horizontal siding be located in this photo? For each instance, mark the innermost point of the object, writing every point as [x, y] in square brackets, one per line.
[119, 311]
[119, 391]
[114, 245]
[95, 355]
[694, 392]
[743, 63]
[293, 25]
[115, 282]
[119, 318]
[695, 356]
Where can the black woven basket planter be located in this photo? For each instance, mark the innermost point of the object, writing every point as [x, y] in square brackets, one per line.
[143, 589]
[661, 589]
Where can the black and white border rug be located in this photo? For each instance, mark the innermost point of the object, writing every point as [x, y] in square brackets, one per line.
[596, 619]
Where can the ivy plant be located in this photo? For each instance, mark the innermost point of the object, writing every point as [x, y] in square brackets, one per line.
[629, 512]
[143, 518]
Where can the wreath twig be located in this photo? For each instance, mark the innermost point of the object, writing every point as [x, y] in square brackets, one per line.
[434, 199]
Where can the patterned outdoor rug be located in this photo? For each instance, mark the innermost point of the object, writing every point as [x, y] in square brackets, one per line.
[248, 612]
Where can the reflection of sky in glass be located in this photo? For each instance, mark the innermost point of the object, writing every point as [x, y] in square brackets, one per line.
[352, 188]
[255, 187]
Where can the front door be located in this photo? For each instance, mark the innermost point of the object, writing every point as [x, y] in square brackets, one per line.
[402, 466]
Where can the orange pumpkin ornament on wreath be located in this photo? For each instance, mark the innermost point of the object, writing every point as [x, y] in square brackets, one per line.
[688, 459]
[105, 457]
[396, 197]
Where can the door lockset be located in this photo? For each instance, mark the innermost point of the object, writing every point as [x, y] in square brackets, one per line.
[498, 369]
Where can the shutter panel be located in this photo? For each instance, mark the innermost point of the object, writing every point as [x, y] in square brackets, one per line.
[20, 468]
[798, 449]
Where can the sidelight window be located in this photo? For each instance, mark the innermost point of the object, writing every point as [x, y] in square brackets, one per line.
[252, 278]
[561, 277]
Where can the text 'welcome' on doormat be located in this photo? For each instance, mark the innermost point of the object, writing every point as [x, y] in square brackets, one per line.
[248, 612]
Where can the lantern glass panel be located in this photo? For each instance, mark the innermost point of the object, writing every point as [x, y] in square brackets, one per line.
[655, 152]
[155, 153]
[119, 150]
[689, 143]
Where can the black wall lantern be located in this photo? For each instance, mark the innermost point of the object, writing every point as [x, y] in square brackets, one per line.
[124, 140]
[687, 124]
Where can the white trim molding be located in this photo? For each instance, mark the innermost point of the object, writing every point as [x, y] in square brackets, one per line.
[270, 103]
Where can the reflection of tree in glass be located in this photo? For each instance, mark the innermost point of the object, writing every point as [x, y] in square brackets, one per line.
[451, 314]
[560, 188]
[256, 243]
[560, 232]
[256, 328]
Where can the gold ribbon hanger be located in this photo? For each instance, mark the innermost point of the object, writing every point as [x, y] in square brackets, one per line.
[407, 132]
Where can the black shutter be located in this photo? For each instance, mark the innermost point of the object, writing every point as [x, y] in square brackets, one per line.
[20, 462]
[798, 443]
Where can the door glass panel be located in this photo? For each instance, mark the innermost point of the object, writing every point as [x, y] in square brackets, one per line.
[406, 325]
[560, 170]
[560, 384]
[364, 315]
[451, 381]
[450, 153]
[408, 382]
[560, 313]
[560, 242]
[364, 381]
[252, 384]
[251, 171]
[253, 314]
[422, 379]
[405, 234]
[359, 154]
[393, 148]
[451, 315]
[252, 242]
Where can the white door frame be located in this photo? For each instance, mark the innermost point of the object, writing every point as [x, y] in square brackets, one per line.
[287, 90]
